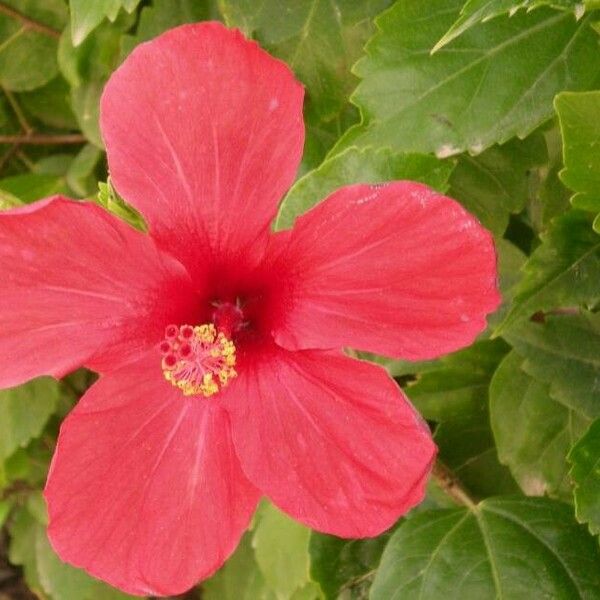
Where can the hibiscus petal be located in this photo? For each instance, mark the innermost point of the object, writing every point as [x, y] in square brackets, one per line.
[204, 134]
[331, 440]
[145, 490]
[78, 283]
[395, 269]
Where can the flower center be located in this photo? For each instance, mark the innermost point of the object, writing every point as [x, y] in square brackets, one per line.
[198, 360]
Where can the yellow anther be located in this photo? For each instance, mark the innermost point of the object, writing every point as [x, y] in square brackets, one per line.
[198, 360]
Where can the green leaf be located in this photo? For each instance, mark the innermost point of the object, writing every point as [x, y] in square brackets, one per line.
[87, 67]
[496, 183]
[455, 395]
[509, 548]
[80, 175]
[27, 465]
[579, 115]
[50, 104]
[165, 14]
[64, 582]
[322, 135]
[563, 271]
[339, 565]
[510, 263]
[32, 186]
[478, 11]
[86, 105]
[585, 472]
[54, 164]
[549, 198]
[28, 53]
[533, 431]
[359, 166]
[23, 531]
[5, 508]
[457, 384]
[496, 81]
[24, 411]
[564, 352]
[86, 15]
[281, 549]
[319, 39]
[239, 578]
[44, 571]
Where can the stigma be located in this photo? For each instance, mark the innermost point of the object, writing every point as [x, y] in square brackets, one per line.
[198, 360]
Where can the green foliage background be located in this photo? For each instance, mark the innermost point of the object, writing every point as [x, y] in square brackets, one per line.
[495, 102]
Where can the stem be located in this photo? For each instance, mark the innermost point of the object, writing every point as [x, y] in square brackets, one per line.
[28, 22]
[25, 159]
[8, 155]
[450, 484]
[354, 582]
[40, 139]
[15, 488]
[18, 112]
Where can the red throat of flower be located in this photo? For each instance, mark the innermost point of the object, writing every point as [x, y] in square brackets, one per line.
[198, 360]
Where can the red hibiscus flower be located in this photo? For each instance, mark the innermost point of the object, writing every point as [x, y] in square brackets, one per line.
[218, 342]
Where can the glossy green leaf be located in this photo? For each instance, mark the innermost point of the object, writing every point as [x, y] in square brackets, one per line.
[509, 548]
[86, 15]
[585, 473]
[496, 183]
[579, 115]
[496, 81]
[533, 431]
[319, 39]
[563, 271]
[359, 166]
[510, 263]
[344, 566]
[457, 383]
[24, 411]
[548, 198]
[454, 394]
[281, 549]
[564, 352]
[478, 11]
[239, 578]
[28, 53]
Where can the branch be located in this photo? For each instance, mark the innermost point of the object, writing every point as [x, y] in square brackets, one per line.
[8, 155]
[18, 112]
[29, 23]
[40, 139]
[450, 484]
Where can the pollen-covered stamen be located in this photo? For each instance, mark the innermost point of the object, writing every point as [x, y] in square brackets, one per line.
[198, 360]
